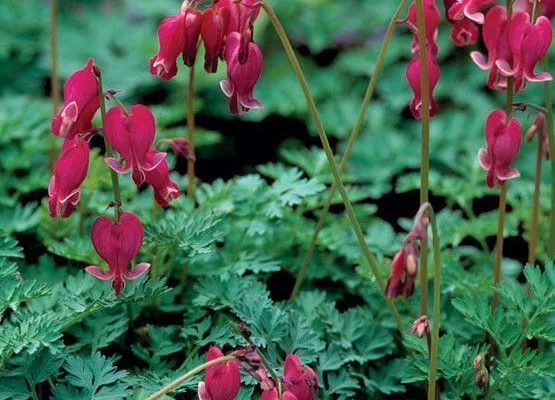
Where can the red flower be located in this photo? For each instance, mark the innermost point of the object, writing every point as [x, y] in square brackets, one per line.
[117, 244]
[80, 103]
[176, 34]
[404, 269]
[241, 77]
[431, 20]
[223, 380]
[165, 189]
[272, 394]
[215, 24]
[299, 379]
[470, 9]
[503, 144]
[132, 136]
[464, 32]
[70, 170]
[514, 48]
[413, 77]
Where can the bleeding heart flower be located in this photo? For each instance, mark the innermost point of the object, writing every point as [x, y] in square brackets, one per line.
[80, 103]
[241, 77]
[431, 20]
[413, 77]
[165, 189]
[299, 379]
[272, 394]
[464, 32]
[470, 9]
[70, 170]
[223, 380]
[503, 139]
[215, 24]
[176, 34]
[117, 244]
[132, 136]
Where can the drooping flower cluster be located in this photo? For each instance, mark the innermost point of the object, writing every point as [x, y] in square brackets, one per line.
[131, 135]
[74, 124]
[412, 73]
[404, 267]
[223, 380]
[226, 30]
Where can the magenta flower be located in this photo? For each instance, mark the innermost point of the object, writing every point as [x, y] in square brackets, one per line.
[514, 48]
[272, 394]
[223, 380]
[241, 77]
[413, 77]
[470, 9]
[132, 136]
[503, 144]
[80, 103]
[243, 13]
[299, 379]
[70, 170]
[432, 19]
[215, 24]
[117, 244]
[165, 189]
[464, 32]
[404, 269]
[177, 34]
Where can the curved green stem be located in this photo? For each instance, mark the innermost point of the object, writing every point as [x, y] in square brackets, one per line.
[109, 150]
[349, 148]
[551, 139]
[499, 243]
[532, 243]
[425, 145]
[329, 154]
[436, 307]
[191, 132]
[168, 388]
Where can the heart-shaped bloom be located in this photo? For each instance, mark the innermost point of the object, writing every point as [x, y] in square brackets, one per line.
[470, 9]
[503, 144]
[165, 189]
[431, 20]
[241, 77]
[223, 380]
[80, 103]
[464, 32]
[70, 170]
[132, 136]
[215, 24]
[272, 394]
[300, 379]
[117, 244]
[177, 34]
[413, 77]
[514, 48]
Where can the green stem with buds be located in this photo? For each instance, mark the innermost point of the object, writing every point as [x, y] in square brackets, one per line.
[348, 150]
[329, 154]
[109, 150]
[189, 374]
[425, 145]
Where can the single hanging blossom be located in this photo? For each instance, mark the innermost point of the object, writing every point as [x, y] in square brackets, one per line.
[177, 34]
[215, 24]
[404, 267]
[132, 136]
[223, 380]
[80, 103]
[432, 19]
[514, 48]
[117, 244]
[183, 147]
[272, 394]
[421, 326]
[503, 139]
[413, 77]
[241, 77]
[70, 170]
[165, 189]
[468, 9]
[300, 379]
[464, 31]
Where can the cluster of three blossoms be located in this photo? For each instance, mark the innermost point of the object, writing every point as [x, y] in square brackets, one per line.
[131, 133]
